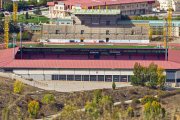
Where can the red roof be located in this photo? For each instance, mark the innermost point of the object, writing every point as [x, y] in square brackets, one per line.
[7, 61]
[6, 56]
[98, 2]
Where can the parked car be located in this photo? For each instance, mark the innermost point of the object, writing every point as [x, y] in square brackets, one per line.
[71, 41]
[101, 41]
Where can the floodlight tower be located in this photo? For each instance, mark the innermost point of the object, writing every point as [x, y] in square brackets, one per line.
[6, 31]
[15, 9]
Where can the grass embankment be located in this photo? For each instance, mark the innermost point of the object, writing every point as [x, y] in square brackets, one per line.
[94, 46]
[31, 18]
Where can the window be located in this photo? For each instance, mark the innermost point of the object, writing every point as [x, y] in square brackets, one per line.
[100, 77]
[70, 77]
[107, 32]
[57, 31]
[107, 22]
[92, 77]
[137, 5]
[56, 7]
[82, 22]
[108, 78]
[123, 78]
[62, 77]
[54, 77]
[82, 31]
[85, 77]
[77, 77]
[116, 78]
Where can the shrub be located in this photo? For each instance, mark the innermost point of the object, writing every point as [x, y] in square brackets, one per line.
[33, 109]
[18, 87]
[36, 22]
[113, 85]
[148, 98]
[47, 22]
[135, 101]
[130, 112]
[5, 114]
[97, 96]
[163, 94]
[26, 22]
[153, 111]
[27, 98]
[132, 91]
[39, 44]
[2, 15]
[48, 99]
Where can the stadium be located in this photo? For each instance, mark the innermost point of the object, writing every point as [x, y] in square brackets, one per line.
[86, 64]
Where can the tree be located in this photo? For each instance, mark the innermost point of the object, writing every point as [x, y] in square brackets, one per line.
[18, 87]
[125, 17]
[161, 77]
[33, 109]
[32, 2]
[152, 76]
[8, 6]
[48, 99]
[139, 77]
[38, 11]
[27, 15]
[155, 17]
[153, 111]
[113, 85]
[43, 2]
[22, 4]
[150, 18]
[140, 18]
[150, 34]
[2, 15]
[135, 17]
[145, 18]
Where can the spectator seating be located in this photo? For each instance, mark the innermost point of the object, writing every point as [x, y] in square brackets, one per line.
[151, 57]
[51, 56]
[137, 57]
[122, 57]
[37, 56]
[25, 56]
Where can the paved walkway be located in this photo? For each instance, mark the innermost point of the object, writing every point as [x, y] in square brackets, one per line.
[66, 86]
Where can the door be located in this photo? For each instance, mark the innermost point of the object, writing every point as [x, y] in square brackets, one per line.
[82, 39]
[107, 39]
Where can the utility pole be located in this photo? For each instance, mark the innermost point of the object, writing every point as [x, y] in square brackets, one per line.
[166, 25]
[21, 37]
[14, 35]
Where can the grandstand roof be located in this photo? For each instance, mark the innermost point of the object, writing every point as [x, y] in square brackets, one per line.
[7, 61]
[89, 3]
[95, 12]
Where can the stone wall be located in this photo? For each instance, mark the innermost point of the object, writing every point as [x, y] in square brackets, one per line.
[118, 32]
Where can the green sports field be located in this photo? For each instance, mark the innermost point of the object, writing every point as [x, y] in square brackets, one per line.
[94, 46]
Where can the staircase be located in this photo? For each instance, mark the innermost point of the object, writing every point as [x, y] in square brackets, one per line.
[35, 37]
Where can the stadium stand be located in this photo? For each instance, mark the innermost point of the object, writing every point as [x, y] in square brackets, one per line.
[51, 56]
[37, 56]
[136, 57]
[122, 57]
[151, 57]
